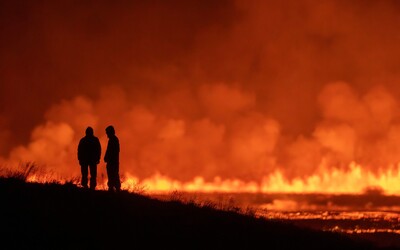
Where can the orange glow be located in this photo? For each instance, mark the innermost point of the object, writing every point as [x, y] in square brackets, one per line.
[354, 181]
[211, 96]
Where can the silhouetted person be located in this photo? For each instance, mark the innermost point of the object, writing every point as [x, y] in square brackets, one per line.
[112, 159]
[89, 152]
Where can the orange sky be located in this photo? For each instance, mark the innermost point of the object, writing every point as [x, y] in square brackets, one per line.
[236, 89]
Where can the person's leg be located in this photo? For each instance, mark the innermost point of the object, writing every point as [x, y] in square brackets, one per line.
[110, 183]
[84, 173]
[93, 176]
[117, 181]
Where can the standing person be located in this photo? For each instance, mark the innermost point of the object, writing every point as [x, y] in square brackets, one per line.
[89, 152]
[112, 159]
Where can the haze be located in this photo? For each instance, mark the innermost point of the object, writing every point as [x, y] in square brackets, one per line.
[235, 89]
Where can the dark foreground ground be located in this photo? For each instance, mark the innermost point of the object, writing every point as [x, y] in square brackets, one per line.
[53, 216]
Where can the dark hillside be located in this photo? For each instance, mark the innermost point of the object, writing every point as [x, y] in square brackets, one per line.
[53, 216]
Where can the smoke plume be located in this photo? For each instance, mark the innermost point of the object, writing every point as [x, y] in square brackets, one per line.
[235, 89]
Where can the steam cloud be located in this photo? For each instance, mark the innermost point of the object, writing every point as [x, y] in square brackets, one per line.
[235, 89]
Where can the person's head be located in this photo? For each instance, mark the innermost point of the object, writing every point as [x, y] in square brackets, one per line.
[110, 131]
[89, 131]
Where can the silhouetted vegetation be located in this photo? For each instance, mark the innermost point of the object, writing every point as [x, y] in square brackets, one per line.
[55, 216]
[22, 173]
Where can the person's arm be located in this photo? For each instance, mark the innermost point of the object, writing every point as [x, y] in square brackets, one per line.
[112, 153]
[106, 155]
[79, 153]
[98, 151]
